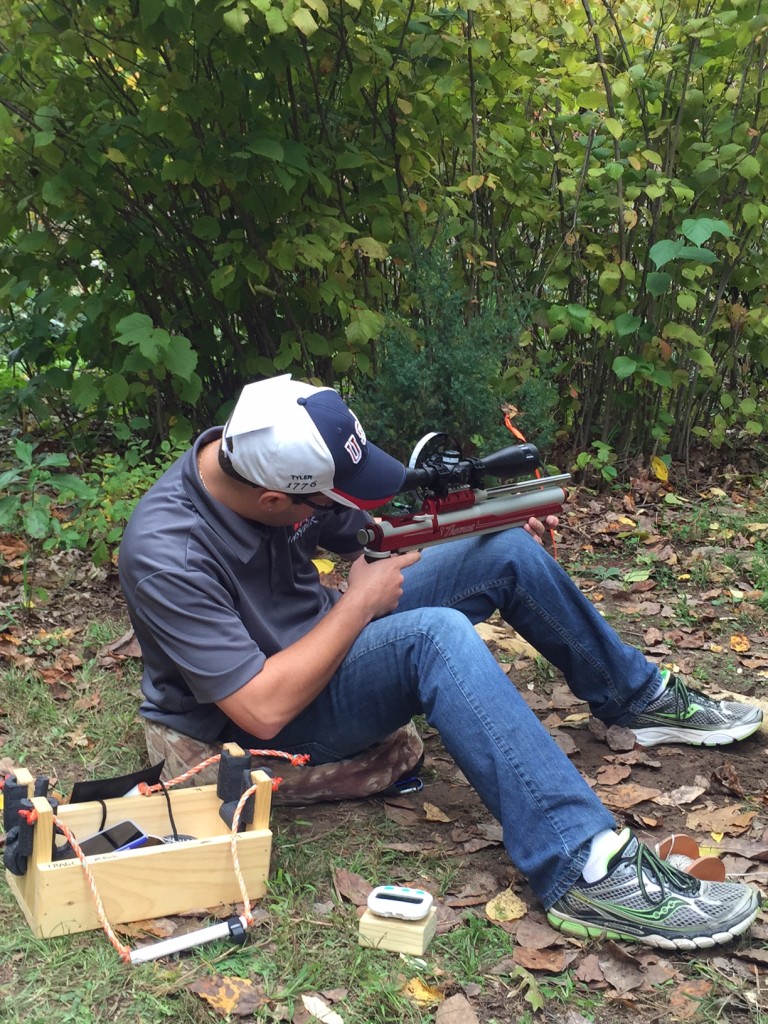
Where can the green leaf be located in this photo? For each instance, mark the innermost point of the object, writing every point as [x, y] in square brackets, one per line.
[276, 23]
[693, 252]
[236, 19]
[636, 575]
[10, 476]
[701, 229]
[747, 406]
[704, 361]
[753, 427]
[304, 21]
[24, 451]
[36, 521]
[657, 283]
[683, 333]
[54, 459]
[84, 392]
[206, 227]
[179, 357]
[626, 324]
[624, 367]
[115, 388]
[614, 127]
[43, 139]
[751, 214]
[609, 280]
[364, 325]
[749, 167]
[132, 327]
[150, 11]
[664, 251]
[66, 483]
[272, 149]
[370, 247]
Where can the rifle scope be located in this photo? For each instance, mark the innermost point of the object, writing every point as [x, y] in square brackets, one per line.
[446, 470]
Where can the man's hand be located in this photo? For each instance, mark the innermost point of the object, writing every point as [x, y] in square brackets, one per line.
[537, 529]
[378, 585]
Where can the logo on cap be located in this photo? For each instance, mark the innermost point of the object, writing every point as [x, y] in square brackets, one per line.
[351, 445]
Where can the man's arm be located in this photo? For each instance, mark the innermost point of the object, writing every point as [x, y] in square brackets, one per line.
[291, 679]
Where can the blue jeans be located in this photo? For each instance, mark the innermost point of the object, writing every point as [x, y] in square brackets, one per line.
[426, 658]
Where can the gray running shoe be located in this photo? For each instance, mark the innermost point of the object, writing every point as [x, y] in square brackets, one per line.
[680, 715]
[643, 899]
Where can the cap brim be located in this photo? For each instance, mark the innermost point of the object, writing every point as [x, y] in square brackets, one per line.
[374, 485]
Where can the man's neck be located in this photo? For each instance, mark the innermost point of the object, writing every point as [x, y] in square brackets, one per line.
[234, 495]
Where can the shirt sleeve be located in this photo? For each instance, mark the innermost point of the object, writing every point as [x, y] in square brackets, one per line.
[338, 532]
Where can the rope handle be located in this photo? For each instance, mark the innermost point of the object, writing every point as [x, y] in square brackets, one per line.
[296, 760]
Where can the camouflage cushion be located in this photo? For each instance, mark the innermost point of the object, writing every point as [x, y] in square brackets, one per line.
[366, 774]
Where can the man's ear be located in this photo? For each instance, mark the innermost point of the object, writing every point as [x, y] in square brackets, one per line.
[273, 501]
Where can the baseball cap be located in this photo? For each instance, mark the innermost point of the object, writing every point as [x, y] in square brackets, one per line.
[293, 437]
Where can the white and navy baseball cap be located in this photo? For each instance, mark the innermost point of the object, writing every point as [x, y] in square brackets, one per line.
[293, 437]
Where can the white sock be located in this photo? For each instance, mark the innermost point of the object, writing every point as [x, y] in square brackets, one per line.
[603, 847]
[662, 684]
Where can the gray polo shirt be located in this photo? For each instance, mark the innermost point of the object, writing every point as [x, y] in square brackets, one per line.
[212, 595]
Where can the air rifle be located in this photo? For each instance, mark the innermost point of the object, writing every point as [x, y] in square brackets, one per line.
[454, 501]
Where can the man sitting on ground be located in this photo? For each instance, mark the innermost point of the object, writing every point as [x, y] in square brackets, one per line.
[242, 643]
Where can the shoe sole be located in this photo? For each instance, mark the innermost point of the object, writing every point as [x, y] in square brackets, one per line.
[581, 930]
[652, 736]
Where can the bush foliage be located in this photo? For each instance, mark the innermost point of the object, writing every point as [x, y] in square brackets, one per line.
[200, 192]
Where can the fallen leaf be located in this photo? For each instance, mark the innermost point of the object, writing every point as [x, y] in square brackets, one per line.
[506, 639]
[507, 906]
[323, 565]
[681, 795]
[659, 469]
[456, 1010]
[402, 815]
[727, 776]
[753, 956]
[590, 972]
[160, 927]
[611, 774]
[351, 886]
[749, 848]
[419, 992]
[433, 813]
[554, 961]
[126, 647]
[628, 795]
[229, 995]
[533, 933]
[739, 643]
[685, 1000]
[728, 820]
[321, 1010]
[621, 970]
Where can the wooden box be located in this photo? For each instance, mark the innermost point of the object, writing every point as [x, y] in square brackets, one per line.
[146, 882]
[397, 935]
